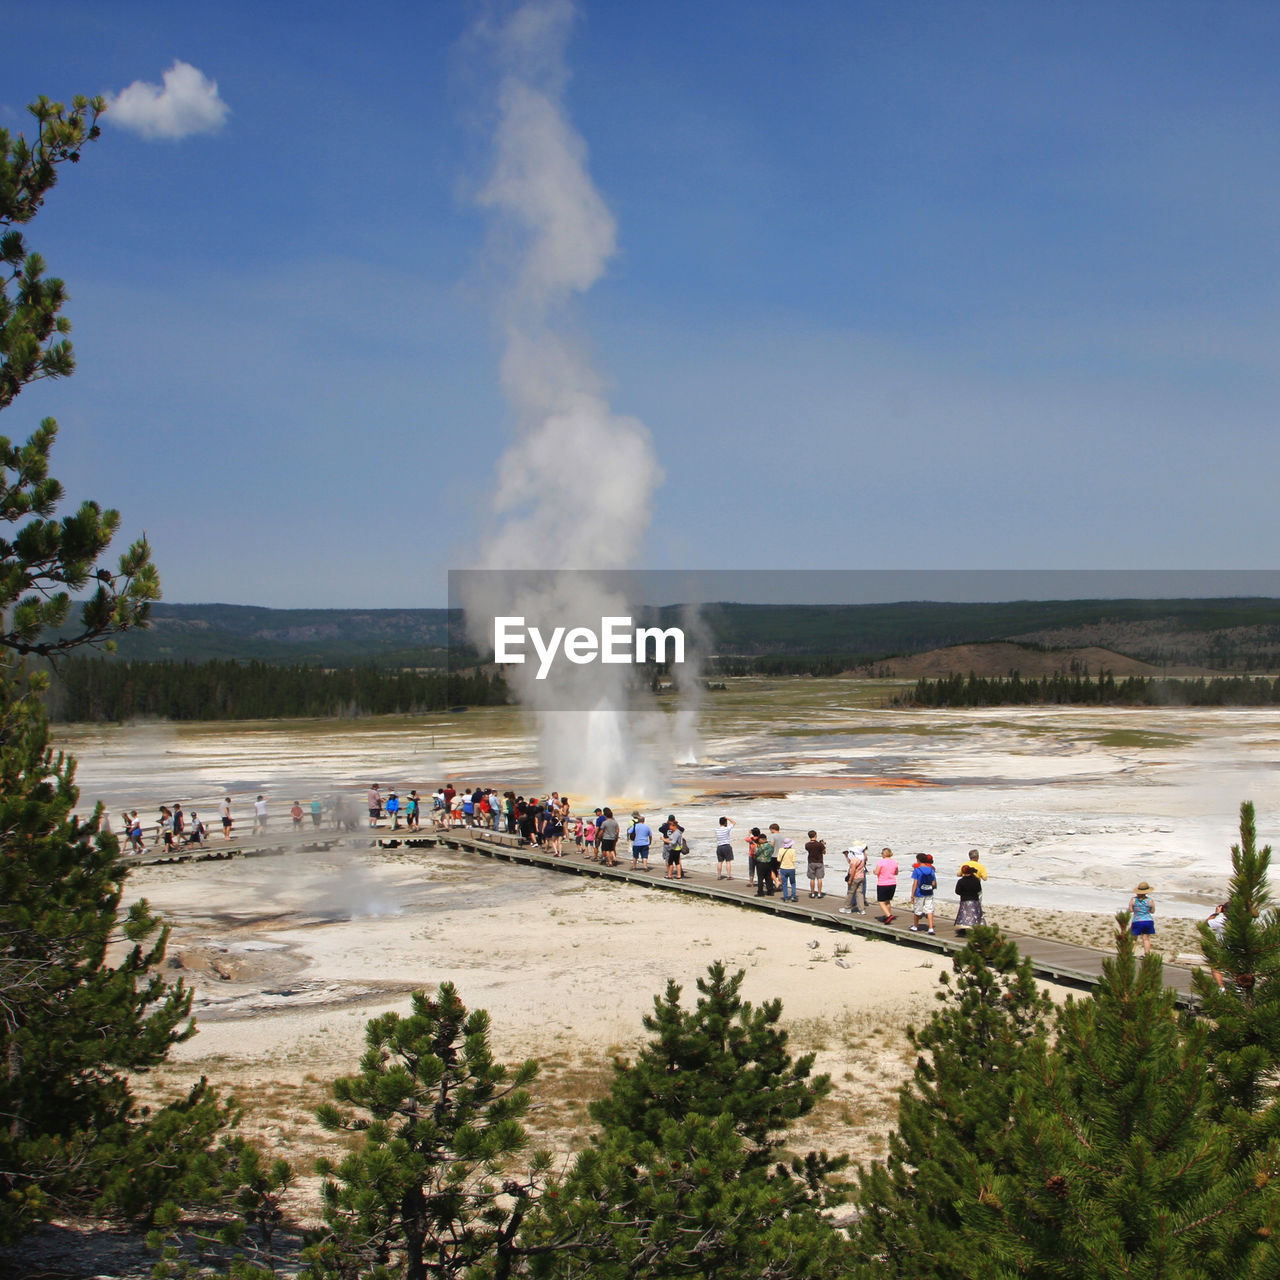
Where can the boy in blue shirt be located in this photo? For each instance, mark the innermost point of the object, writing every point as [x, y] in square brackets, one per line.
[924, 880]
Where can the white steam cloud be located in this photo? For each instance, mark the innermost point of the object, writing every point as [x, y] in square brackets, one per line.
[187, 103]
[575, 490]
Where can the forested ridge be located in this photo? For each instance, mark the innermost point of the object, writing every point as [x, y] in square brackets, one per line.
[1230, 634]
[102, 689]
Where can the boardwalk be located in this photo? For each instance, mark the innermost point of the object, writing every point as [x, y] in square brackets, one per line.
[218, 850]
[1058, 962]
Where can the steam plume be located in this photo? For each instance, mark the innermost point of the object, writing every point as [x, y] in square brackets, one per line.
[559, 236]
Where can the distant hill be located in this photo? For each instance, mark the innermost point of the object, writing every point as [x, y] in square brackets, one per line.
[317, 637]
[1222, 635]
[1000, 658]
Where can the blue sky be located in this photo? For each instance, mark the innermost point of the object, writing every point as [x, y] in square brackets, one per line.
[899, 285]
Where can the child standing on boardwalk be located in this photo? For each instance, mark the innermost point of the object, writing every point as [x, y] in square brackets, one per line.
[924, 880]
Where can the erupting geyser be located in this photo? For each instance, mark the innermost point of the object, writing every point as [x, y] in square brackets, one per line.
[554, 236]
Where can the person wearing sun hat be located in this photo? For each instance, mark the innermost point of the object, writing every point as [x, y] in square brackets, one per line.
[1142, 910]
[641, 837]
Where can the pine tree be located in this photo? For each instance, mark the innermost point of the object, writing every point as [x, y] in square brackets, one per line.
[954, 1115]
[48, 559]
[73, 1027]
[683, 1177]
[723, 1056]
[686, 1203]
[1244, 1036]
[429, 1191]
[1116, 1167]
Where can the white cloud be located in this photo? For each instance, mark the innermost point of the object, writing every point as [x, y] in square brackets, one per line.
[188, 103]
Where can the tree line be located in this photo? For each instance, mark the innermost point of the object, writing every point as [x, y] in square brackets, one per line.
[1080, 689]
[102, 689]
[781, 664]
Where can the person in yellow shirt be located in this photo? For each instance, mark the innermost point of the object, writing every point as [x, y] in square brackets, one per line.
[787, 866]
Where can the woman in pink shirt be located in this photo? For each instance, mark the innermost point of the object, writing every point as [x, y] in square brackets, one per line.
[886, 883]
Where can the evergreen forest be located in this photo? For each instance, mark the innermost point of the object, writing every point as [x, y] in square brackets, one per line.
[1083, 690]
[104, 689]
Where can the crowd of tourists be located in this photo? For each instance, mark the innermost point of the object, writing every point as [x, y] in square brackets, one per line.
[174, 828]
[772, 859]
[773, 862]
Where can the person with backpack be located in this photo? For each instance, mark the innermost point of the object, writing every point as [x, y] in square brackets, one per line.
[674, 847]
[924, 880]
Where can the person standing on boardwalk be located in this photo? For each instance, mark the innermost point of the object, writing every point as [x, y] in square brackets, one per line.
[672, 834]
[816, 853]
[608, 832]
[375, 805]
[1217, 921]
[1142, 908]
[754, 841]
[787, 868]
[226, 818]
[296, 814]
[886, 884]
[924, 880]
[641, 836]
[856, 879]
[969, 891]
[775, 839]
[260, 815]
[553, 833]
[765, 861]
[316, 808]
[676, 849]
[724, 849]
